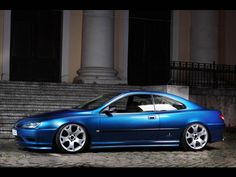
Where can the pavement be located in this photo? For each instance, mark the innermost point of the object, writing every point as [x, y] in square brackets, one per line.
[219, 154]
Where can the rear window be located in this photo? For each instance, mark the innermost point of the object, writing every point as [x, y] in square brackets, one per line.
[167, 104]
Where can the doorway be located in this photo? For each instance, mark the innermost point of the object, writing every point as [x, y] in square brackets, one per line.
[149, 47]
[35, 53]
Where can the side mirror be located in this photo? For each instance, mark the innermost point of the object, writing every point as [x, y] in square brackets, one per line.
[107, 112]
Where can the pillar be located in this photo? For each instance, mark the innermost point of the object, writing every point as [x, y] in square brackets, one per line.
[97, 48]
[204, 36]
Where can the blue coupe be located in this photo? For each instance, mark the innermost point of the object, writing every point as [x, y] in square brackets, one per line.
[125, 119]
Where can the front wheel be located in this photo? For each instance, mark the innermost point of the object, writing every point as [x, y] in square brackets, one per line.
[195, 137]
[71, 138]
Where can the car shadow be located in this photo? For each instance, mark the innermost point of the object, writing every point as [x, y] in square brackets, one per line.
[209, 148]
[135, 149]
[147, 149]
[41, 151]
[118, 149]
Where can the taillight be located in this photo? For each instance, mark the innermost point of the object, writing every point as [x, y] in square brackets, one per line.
[222, 117]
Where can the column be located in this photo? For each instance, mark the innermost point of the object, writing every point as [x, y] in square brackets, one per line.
[204, 36]
[6, 45]
[121, 44]
[97, 48]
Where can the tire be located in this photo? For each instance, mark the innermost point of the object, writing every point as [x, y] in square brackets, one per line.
[195, 137]
[71, 138]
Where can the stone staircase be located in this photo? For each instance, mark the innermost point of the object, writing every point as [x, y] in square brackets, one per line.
[21, 99]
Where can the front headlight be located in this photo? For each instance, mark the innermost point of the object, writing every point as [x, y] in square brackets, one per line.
[31, 124]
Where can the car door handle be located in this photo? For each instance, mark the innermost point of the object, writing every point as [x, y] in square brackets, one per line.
[151, 117]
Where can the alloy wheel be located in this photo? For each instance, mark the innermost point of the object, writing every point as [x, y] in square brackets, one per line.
[72, 137]
[196, 136]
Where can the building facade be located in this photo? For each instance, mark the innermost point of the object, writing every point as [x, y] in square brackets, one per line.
[111, 46]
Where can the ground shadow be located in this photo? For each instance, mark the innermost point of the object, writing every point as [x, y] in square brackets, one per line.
[146, 149]
[126, 149]
[136, 149]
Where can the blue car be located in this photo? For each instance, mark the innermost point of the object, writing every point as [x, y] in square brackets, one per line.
[125, 119]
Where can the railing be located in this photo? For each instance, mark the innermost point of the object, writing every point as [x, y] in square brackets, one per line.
[203, 74]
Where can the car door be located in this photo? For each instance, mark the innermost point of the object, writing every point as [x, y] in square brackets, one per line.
[171, 118]
[133, 122]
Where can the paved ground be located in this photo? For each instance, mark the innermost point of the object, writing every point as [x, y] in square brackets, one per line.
[220, 154]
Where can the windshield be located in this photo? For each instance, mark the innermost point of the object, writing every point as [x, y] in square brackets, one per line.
[97, 102]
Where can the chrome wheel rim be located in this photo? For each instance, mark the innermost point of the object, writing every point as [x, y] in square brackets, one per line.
[196, 136]
[72, 137]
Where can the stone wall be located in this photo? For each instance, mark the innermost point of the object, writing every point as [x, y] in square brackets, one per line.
[221, 99]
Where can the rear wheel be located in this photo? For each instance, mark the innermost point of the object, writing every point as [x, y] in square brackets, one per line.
[71, 138]
[195, 137]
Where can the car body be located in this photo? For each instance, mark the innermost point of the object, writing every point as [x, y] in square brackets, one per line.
[113, 120]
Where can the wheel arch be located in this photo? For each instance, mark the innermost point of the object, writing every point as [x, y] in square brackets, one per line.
[67, 123]
[194, 122]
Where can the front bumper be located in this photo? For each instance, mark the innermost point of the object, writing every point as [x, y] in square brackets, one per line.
[34, 138]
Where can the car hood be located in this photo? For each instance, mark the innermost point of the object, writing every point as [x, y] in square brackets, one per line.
[57, 114]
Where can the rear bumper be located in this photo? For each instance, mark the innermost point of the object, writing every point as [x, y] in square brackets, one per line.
[35, 138]
[216, 132]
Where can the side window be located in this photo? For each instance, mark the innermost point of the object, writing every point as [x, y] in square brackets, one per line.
[133, 103]
[140, 103]
[166, 104]
[119, 106]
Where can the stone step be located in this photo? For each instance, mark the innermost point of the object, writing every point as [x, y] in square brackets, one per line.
[32, 111]
[38, 103]
[6, 127]
[5, 88]
[36, 108]
[6, 135]
[50, 93]
[33, 106]
[13, 114]
[46, 97]
[14, 118]
[64, 85]
[61, 88]
[5, 121]
[23, 112]
[66, 89]
[9, 121]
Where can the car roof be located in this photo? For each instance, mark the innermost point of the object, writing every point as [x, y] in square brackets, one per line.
[189, 104]
[138, 91]
[145, 92]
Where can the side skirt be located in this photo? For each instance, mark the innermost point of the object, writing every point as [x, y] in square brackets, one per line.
[133, 146]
